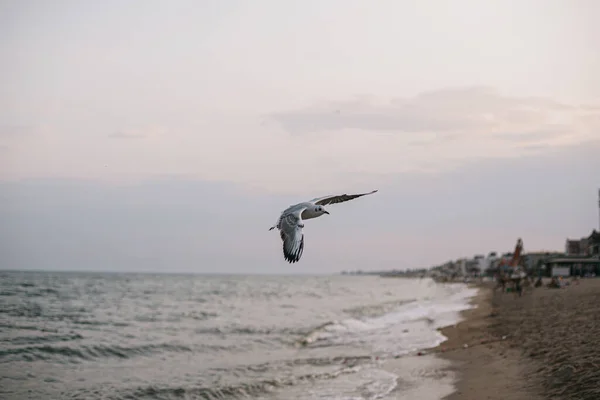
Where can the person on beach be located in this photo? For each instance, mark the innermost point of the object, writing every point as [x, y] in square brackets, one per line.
[527, 284]
[517, 286]
[501, 282]
[554, 283]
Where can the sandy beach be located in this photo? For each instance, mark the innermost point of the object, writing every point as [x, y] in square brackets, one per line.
[543, 345]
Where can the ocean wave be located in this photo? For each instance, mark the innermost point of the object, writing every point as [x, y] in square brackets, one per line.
[25, 340]
[29, 290]
[286, 335]
[167, 337]
[314, 334]
[343, 361]
[86, 353]
[27, 310]
[27, 328]
[176, 317]
[321, 361]
[42, 292]
[382, 317]
[239, 391]
[242, 391]
[90, 322]
[376, 310]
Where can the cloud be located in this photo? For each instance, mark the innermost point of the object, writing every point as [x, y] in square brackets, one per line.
[168, 224]
[549, 132]
[234, 146]
[126, 135]
[451, 113]
[11, 131]
[138, 133]
[184, 225]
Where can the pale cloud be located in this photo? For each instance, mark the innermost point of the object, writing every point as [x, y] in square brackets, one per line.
[445, 112]
[123, 95]
[185, 225]
[432, 133]
[544, 133]
[285, 99]
[442, 128]
[126, 135]
[16, 131]
[312, 147]
[149, 131]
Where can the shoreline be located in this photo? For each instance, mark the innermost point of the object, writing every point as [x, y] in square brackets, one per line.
[486, 365]
[542, 345]
[426, 373]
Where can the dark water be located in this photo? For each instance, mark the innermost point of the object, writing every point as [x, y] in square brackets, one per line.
[126, 336]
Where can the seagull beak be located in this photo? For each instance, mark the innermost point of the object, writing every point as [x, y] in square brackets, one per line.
[326, 212]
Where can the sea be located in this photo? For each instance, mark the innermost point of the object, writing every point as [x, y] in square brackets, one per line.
[66, 335]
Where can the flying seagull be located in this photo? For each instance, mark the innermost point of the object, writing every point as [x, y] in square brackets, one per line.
[291, 222]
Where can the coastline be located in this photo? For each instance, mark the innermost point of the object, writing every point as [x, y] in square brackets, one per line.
[542, 345]
[486, 366]
[425, 373]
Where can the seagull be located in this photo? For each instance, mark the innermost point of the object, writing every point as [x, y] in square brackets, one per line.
[291, 222]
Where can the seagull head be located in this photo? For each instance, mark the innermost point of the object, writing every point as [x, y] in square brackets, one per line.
[320, 210]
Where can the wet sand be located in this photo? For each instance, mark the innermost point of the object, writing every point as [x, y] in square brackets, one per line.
[425, 377]
[543, 345]
[487, 366]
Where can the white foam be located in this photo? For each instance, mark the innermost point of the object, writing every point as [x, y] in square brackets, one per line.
[369, 383]
[410, 327]
[406, 329]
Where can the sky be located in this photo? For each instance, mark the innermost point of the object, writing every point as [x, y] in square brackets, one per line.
[168, 136]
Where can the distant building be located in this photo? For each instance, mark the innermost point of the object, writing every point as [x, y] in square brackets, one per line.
[586, 246]
[582, 257]
[573, 265]
[491, 261]
[473, 267]
[462, 266]
[573, 247]
[593, 244]
[535, 260]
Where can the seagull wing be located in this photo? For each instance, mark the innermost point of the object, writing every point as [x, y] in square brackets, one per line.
[290, 229]
[340, 198]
